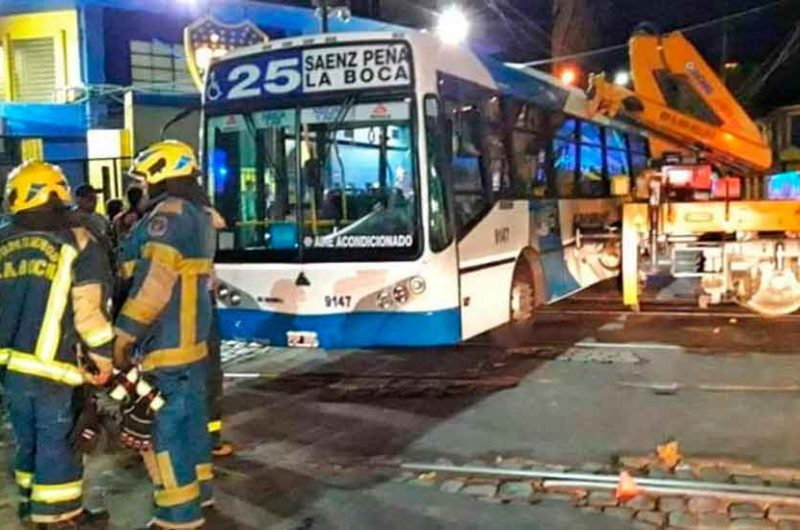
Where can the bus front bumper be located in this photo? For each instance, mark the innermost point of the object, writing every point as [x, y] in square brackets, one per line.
[344, 330]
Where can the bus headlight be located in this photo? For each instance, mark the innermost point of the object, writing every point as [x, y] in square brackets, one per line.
[384, 300]
[417, 285]
[400, 294]
[223, 292]
[236, 299]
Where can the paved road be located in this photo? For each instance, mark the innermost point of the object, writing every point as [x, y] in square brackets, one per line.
[302, 450]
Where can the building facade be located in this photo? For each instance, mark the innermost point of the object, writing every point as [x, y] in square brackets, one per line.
[98, 79]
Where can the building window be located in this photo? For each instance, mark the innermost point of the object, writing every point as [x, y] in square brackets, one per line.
[34, 70]
[158, 65]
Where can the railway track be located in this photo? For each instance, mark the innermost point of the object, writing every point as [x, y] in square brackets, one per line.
[665, 486]
[611, 306]
[633, 494]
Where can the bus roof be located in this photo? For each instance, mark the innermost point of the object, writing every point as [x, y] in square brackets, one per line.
[526, 83]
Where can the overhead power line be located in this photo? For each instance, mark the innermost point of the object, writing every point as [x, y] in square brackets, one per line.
[520, 28]
[685, 29]
[759, 78]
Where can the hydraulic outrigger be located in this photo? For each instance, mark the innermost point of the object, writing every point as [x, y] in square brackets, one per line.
[707, 156]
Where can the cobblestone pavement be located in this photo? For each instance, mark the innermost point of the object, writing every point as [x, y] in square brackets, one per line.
[654, 510]
[572, 391]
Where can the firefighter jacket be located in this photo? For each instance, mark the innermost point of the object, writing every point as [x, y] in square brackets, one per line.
[55, 284]
[168, 261]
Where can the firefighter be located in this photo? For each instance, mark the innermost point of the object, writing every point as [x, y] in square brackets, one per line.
[220, 448]
[55, 284]
[166, 317]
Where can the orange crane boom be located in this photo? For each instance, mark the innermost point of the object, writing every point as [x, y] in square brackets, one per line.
[682, 103]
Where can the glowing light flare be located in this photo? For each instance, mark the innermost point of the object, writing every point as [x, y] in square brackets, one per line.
[568, 76]
[453, 25]
[204, 55]
[622, 78]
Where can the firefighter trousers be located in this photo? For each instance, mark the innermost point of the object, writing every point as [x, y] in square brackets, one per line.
[48, 470]
[180, 462]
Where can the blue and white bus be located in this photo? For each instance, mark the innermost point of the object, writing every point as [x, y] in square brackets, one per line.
[391, 190]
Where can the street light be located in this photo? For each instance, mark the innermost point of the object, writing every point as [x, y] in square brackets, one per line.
[569, 76]
[622, 78]
[453, 26]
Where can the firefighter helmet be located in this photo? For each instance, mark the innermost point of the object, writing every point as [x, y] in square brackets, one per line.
[165, 160]
[32, 184]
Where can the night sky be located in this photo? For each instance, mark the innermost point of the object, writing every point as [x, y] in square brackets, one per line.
[520, 28]
[751, 40]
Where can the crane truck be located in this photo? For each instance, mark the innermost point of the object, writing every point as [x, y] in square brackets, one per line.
[699, 211]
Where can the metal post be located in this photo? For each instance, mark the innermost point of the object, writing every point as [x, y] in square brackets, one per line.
[323, 7]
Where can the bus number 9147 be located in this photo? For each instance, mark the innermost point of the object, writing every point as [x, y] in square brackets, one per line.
[338, 302]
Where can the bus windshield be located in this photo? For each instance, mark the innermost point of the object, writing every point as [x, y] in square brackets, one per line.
[316, 183]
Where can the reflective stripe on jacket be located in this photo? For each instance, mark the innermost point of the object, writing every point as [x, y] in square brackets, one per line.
[54, 288]
[168, 259]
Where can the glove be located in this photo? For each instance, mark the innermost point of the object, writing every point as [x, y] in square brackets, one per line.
[122, 387]
[140, 403]
[85, 434]
[137, 425]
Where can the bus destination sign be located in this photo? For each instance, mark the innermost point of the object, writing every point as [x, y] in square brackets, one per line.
[309, 71]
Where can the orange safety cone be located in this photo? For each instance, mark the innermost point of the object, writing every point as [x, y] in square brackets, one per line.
[626, 488]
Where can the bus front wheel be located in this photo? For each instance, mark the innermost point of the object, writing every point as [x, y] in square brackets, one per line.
[523, 293]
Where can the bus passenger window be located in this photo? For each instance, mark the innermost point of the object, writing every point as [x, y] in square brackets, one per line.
[497, 165]
[592, 183]
[565, 155]
[470, 200]
[529, 165]
[565, 159]
[495, 152]
[639, 153]
[471, 197]
[617, 163]
[638, 163]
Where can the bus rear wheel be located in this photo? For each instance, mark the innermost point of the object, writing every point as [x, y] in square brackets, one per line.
[523, 293]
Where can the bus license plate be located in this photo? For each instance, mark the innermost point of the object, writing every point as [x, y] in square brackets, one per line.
[302, 339]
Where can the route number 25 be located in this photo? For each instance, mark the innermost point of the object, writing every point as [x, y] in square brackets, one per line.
[282, 77]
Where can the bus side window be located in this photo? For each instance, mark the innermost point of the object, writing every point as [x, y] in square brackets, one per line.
[592, 181]
[529, 150]
[494, 148]
[565, 155]
[471, 198]
[441, 233]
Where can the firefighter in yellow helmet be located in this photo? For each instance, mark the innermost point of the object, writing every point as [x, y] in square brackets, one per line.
[166, 318]
[55, 337]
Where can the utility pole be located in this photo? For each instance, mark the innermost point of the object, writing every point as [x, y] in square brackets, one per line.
[574, 29]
